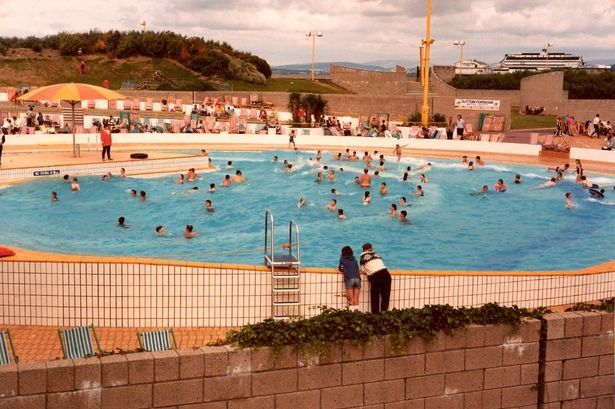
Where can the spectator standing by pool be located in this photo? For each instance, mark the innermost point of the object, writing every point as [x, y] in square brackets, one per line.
[379, 278]
[6, 128]
[105, 140]
[596, 124]
[291, 139]
[352, 280]
[460, 125]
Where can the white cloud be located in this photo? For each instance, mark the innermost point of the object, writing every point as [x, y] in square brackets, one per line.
[354, 30]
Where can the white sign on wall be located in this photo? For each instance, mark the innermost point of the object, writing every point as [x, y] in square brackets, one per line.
[477, 104]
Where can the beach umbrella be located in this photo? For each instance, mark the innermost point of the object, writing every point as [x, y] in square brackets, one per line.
[73, 93]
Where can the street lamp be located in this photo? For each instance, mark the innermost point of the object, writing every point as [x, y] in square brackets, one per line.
[546, 50]
[313, 34]
[460, 43]
[425, 64]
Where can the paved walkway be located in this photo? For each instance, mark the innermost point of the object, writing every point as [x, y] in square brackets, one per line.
[40, 343]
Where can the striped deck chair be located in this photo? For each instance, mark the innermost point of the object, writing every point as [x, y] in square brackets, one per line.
[244, 101]
[161, 340]
[485, 137]
[91, 103]
[149, 104]
[235, 101]
[487, 123]
[469, 132]
[77, 343]
[255, 99]
[227, 100]
[5, 342]
[127, 104]
[136, 104]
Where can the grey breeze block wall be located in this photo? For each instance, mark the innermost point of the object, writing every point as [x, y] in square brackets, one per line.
[570, 366]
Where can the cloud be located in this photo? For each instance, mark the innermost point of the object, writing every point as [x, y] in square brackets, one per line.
[354, 30]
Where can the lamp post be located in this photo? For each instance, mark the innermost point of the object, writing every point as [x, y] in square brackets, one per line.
[460, 43]
[313, 34]
[546, 50]
[426, 42]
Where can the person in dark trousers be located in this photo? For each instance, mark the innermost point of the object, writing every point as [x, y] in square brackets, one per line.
[105, 139]
[378, 276]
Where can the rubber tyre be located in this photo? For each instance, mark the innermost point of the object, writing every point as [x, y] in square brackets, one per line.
[139, 155]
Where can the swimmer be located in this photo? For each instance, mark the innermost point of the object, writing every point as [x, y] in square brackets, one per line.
[66, 178]
[302, 201]
[105, 178]
[121, 222]
[419, 191]
[332, 206]
[289, 168]
[212, 188]
[381, 165]
[285, 163]
[423, 178]
[365, 180]
[367, 199]
[160, 231]
[238, 178]
[331, 176]
[424, 168]
[403, 202]
[397, 152]
[318, 156]
[464, 160]
[562, 168]
[334, 192]
[348, 154]
[209, 206]
[357, 180]
[319, 177]
[75, 185]
[569, 203]
[393, 209]
[559, 176]
[484, 190]
[143, 195]
[517, 180]
[403, 217]
[596, 194]
[340, 214]
[367, 159]
[275, 158]
[500, 186]
[338, 156]
[227, 181]
[192, 175]
[180, 179]
[229, 164]
[54, 196]
[377, 174]
[479, 161]
[133, 193]
[122, 172]
[549, 183]
[354, 156]
[585, 182]
[383, 189]
[471, 166]
[579, 169]
[409, 169]
[189, 232]
[405, 178]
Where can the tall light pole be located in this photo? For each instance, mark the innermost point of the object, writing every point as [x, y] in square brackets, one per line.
[427, 41]
[313, 34]
[546, 50]
[460, 43]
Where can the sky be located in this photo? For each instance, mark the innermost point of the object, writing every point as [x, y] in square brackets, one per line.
[353, 30]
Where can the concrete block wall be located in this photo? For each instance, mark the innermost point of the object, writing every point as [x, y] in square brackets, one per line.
[477, 367]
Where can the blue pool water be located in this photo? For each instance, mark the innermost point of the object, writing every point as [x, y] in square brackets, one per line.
[521, 229]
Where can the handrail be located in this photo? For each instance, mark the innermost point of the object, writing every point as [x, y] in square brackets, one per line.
[297, 244]
[269, 244]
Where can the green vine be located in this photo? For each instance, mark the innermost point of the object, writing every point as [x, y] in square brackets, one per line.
[603, 305]
[333, 325]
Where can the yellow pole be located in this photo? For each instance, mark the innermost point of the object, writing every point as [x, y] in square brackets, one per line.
[425, 110]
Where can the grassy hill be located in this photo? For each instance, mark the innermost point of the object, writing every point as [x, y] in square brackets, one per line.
[24, 67]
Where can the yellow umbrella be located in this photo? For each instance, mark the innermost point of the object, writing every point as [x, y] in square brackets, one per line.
[71, 93]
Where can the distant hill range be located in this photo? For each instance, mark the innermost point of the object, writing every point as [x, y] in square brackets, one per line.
[323, 67]
[602, 61]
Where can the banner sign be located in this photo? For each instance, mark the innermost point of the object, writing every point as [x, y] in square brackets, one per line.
[46, 172]
[477, 104]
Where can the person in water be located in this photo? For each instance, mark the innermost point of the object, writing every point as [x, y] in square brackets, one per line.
[403, 217]
[365, 180]
[485, 189]
[75, 185]
[209, 206]
[121, 222]
[180, 179]
[227, 181]
[419, 191]
[367, 199]
[192, 175]
[302, 201]
[160, 231]
[143, 195]
[517, 180]
[384, 190]
[54, 196]
[500, 186]
[341, 214]
[133, 193]
[238, 178]
[596, 194]
[332, 206]
[189, 232]
[212, 188]
[393, 209]
[569, 203]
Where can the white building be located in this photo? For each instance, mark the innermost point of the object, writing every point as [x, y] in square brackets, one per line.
[472, 67]
[538, 62]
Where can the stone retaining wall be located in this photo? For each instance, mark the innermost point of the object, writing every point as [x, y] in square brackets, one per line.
[477, 367]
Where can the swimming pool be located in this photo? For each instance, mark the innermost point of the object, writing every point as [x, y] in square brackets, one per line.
[522, 229]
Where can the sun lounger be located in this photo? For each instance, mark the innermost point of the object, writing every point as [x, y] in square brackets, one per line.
[161, 340]
[244, 102]
[149, 104]
[127, 104]
[6, 342]
[77, 342]
[136, 104]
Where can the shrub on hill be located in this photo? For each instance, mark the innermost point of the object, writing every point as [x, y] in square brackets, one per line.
[210, 58]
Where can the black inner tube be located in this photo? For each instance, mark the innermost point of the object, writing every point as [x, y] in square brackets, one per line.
[139, 155]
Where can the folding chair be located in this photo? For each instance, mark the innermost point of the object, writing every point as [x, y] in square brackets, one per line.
[77, 343]
[161, 340]
[5, 342]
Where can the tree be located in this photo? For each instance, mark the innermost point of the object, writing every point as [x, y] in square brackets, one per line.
[294, 102]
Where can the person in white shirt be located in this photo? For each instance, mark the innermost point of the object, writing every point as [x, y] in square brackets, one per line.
[371, 264]
[596, 127]
[460, 125]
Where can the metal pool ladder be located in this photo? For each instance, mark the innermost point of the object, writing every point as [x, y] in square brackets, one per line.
[285, 270]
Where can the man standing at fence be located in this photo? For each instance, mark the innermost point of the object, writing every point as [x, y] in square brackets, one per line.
[378, 276]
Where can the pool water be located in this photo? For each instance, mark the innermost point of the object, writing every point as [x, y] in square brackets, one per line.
[521, 229]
